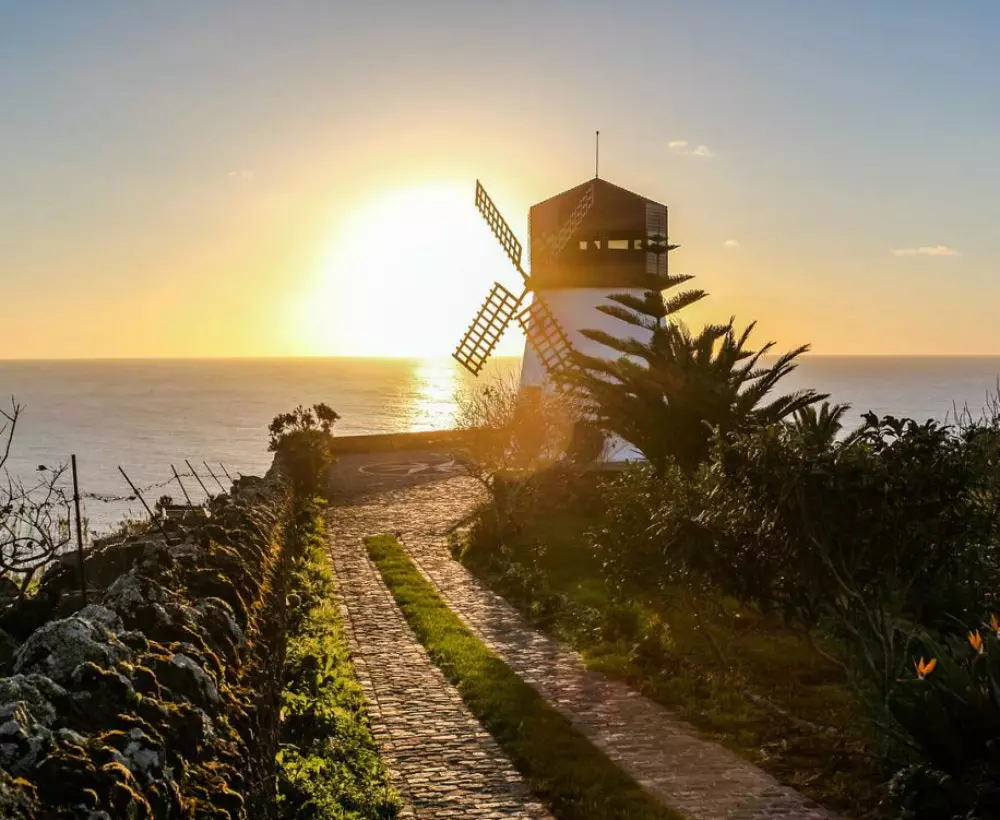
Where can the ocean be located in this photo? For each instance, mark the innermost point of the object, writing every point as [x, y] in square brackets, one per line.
[148, 415]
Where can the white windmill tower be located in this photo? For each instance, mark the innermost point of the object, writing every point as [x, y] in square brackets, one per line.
[587, 243]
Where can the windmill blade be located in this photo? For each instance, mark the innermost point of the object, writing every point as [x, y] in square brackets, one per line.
[555, 244]
[546, 336]
[573, 223]
[483, 335]
[501, 230]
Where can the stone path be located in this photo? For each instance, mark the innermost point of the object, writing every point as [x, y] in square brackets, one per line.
[700, 778]
[443, 762]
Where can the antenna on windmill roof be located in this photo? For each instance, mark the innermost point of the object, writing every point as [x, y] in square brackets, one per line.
[597, 155]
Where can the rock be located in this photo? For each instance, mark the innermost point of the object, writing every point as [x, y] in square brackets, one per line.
[133, 594]
[23, 739]
[154, 700]
[39, 693]
[18, 798]
[99, 695]
[58, 647]
[102, 615]
[185, 678]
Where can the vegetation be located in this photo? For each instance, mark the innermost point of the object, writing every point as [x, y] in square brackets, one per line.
[328, 767]
[822, 601]
[782, 598]
[34, 515]
[666, 394]
[742, 677]
[559, 764]
[303, 443]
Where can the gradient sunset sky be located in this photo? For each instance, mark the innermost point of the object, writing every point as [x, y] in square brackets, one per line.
[258, 179]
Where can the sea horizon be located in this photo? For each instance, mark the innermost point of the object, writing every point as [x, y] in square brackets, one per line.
[146, 414]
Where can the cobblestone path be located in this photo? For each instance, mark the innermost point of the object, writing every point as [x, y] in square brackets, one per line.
[442, 761]
[700, 778]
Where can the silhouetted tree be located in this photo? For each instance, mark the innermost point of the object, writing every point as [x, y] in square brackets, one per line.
[668, 393]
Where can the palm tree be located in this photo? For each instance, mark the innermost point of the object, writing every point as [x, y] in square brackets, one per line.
[818, 429]
[666, 395]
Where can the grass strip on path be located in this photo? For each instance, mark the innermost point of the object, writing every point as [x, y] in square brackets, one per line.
[560, 765]
[329, 766]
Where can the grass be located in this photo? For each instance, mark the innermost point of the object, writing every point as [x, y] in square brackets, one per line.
[740, 677]
[570, 775]
[329, 767]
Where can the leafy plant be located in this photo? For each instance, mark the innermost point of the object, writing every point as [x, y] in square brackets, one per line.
[947, 711]
[818, 429]
[303, 442]
[667, 394]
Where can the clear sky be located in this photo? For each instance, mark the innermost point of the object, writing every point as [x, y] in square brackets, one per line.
[251, 179]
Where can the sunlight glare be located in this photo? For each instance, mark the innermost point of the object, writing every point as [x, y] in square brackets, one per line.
[405, 276]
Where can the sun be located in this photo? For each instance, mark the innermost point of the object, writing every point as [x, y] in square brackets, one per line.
[404, 276]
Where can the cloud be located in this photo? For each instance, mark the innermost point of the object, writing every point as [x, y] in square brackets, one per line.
[926, 250]
[685, 147]
[243, 174]
[731, 243]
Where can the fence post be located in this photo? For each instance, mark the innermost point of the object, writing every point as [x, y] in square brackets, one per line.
[221, 487]
[152, 516]
[79, 531]
[198, 479]
[179, 484]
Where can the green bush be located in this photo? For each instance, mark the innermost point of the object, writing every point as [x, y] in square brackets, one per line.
[949, 718]
[303, 443]
[900, 517]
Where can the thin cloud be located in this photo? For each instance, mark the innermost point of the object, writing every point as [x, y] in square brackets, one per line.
[731, 243]
[927, 250]
[687, 149]
[246, 173]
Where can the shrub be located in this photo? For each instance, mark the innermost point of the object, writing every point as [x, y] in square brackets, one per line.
[900, 517]
[635, 555]
[303, 443]
[947, 712]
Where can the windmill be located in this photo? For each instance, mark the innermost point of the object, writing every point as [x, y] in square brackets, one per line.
[541, 328]
[587, 243]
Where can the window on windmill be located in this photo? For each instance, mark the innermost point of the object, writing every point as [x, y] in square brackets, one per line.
[597, 244]
[637, 244]
[618, 244]
[583, 244]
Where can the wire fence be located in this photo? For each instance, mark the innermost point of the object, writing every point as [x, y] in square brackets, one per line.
[41, 519]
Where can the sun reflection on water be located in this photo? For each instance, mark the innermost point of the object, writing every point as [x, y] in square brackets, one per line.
[432, 407]
[435, 383]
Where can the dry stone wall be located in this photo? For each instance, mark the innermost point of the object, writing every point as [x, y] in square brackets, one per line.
[159, 699]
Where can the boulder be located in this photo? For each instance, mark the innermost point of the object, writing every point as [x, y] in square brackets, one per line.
[58, 647]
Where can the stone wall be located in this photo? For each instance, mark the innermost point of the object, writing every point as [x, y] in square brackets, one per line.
[160, 697]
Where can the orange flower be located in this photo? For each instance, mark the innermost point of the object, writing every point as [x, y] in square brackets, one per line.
[924, 668]
[976, 641]
[995, 624]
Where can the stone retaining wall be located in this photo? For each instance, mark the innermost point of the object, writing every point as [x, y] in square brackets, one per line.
[159, 698]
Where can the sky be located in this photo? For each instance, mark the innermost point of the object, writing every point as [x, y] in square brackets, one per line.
[264, 179]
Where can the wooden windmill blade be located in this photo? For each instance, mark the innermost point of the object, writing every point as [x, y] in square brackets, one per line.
[501, 230]
[483, 335]
[573, 223]
[546, 336]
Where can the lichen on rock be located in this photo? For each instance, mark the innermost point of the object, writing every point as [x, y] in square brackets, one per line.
[150, 701]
